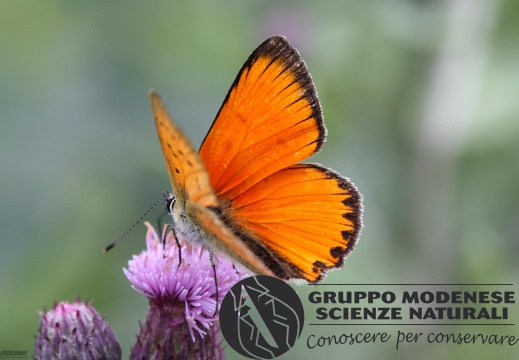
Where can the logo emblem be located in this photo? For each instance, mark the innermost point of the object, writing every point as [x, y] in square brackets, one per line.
[261, 317]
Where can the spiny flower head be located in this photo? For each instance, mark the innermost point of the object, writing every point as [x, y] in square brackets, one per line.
[75, 331]
[155, 274]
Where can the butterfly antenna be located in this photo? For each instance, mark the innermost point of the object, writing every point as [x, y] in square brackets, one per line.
[109, 247]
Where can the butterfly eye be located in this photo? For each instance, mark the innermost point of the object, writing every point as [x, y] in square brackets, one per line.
[170, 202]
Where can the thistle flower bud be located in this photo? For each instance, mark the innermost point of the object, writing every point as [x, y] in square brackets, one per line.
[75, 331]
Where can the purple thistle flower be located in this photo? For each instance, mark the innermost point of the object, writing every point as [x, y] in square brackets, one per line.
[75, 331]
[180, 320]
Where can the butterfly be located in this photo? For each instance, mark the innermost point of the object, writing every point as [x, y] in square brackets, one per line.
[246, 192]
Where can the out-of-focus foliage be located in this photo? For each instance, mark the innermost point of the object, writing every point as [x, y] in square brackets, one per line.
[419, 97]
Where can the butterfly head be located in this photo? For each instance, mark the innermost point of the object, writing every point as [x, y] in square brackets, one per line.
[175, 209]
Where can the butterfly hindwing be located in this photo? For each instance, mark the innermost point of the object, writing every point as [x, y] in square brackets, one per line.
[307, 213]
[220, 237]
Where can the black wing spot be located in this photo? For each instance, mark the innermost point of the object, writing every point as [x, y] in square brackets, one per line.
[318, 267]
[337, 252]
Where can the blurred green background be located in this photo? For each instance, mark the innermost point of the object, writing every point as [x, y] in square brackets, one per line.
[419, 97]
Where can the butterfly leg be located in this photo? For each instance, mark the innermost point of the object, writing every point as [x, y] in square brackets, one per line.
[161, 217]
[211, 260]
[171, 227]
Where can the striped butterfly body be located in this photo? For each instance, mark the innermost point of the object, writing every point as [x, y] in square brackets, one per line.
[246, 192]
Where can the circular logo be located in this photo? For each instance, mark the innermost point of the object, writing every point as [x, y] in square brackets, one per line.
[261, 317]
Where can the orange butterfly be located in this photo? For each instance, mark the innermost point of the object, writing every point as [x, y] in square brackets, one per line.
[246, 193]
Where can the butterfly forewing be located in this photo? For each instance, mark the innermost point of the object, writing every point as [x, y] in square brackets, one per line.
[187, 172]
[270, 119]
